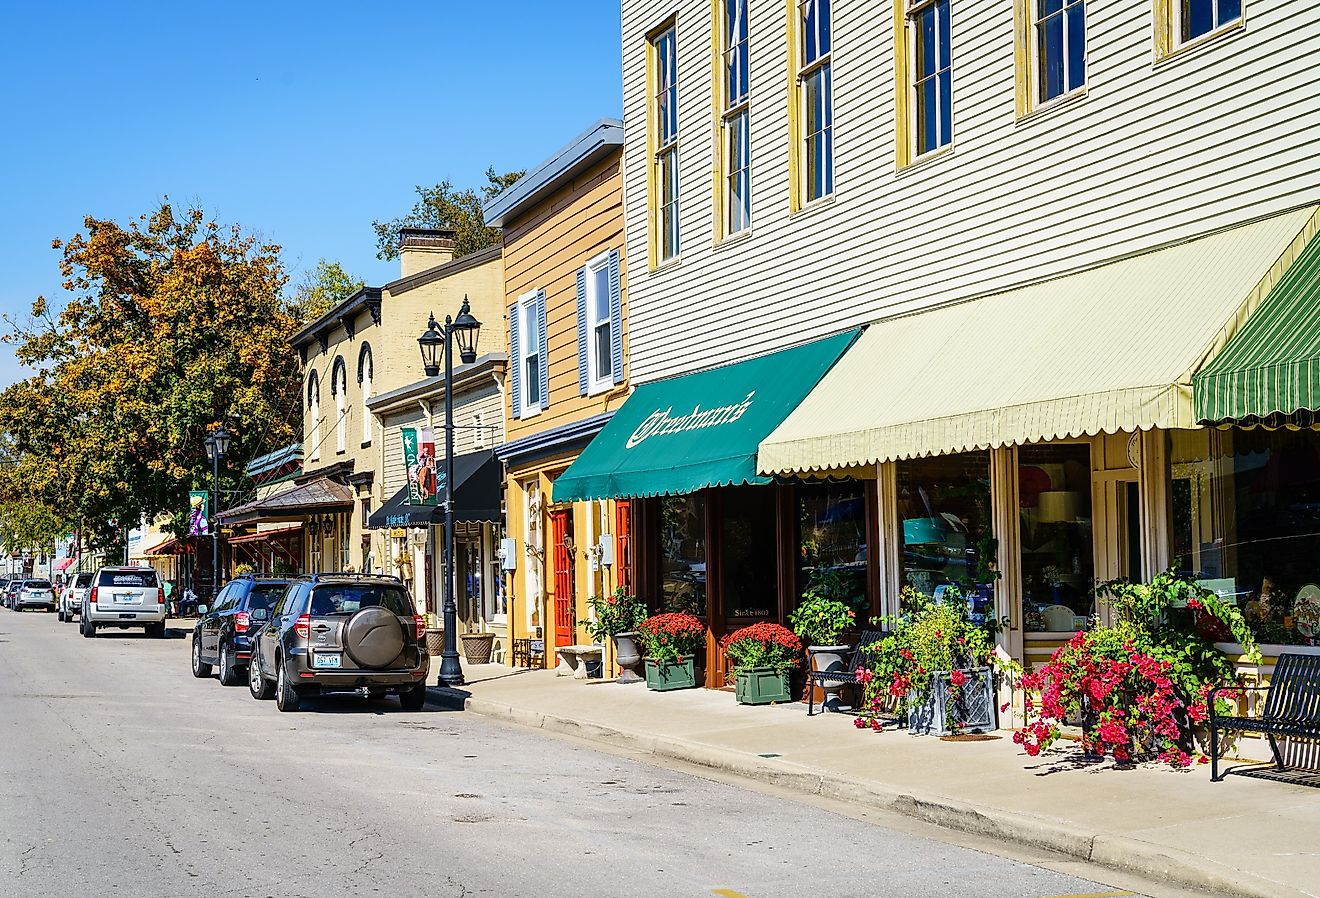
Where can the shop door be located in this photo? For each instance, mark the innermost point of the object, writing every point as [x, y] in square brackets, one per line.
[748, 571]
[561, 532]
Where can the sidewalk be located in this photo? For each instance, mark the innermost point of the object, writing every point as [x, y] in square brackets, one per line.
[1244, 836]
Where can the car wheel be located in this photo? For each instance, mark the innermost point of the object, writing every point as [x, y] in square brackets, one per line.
[156, 631]
[285, 698]
[59, 615]
[258, 685]
[229, 676]
[88, 628]
[413, 699]
[201, 670]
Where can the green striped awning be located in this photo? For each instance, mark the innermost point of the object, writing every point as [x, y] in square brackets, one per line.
[1271, 366]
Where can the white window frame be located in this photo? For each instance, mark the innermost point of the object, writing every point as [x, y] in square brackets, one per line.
[805, 70]
[529, 345]
[734, 110]
[339, 386]
[314, 410]
[367, 362]
[914, 10]
[596, 381]
[665, 203]
[1037, 73]
[1219, 27]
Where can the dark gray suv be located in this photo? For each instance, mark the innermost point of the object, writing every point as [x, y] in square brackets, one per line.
[341, 633]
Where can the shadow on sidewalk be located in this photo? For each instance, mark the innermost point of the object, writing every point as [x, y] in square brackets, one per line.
[1310, 778]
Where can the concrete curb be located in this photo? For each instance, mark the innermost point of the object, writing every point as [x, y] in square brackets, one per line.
[1118, 852]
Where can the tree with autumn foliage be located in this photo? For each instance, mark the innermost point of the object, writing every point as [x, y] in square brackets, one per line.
[174, 323]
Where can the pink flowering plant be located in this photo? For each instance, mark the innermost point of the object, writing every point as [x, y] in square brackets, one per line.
[1142, 682]
[930, 639]
[613, 614]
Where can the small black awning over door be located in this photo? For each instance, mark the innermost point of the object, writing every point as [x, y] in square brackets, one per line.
[479, 477]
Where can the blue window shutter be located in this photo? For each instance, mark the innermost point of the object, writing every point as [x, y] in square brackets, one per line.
[616, 319]
[583, 376]
[515, 358]
[545, 362]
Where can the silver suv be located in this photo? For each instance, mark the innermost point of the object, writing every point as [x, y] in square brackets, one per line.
[35, 594]
[125, 597]
[71, 600]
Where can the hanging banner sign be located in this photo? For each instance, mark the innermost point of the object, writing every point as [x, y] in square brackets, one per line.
[419, 460]
[199, 513]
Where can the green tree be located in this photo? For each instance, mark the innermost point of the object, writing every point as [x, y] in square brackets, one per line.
[445, 206]
[321, 289]
[174, 323]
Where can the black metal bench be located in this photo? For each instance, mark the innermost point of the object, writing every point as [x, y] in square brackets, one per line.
[1292, 708]
[845, 674]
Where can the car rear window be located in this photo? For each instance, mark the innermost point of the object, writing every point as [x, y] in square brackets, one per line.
[127, 578]
[263, 597]
[38, 584]
[83, 581]
[349, 598]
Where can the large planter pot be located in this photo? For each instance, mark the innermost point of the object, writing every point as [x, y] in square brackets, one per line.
[628, 656]
[435, 642]
[667, 675]
[761, 685]
[477, 646]
[829, 657]
[972, 712]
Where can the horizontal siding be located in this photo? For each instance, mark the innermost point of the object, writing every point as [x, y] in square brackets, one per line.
[486, 400]
[543, 249]
[395, 476]
[1214, 137]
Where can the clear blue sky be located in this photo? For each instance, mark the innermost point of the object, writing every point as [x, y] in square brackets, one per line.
[301, 121]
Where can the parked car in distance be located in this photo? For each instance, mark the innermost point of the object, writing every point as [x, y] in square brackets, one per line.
[35, 594]
[4, 590]
[11, 592]
[71, 600]
[222, 636]
[341, 633]
[124, 597]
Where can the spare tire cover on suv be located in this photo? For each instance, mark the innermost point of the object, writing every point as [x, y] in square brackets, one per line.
[373, 637]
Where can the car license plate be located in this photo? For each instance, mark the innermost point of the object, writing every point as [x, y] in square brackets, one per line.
[124, 598]
[324, 660]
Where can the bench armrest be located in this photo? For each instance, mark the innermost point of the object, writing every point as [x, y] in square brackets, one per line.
[1210, 697]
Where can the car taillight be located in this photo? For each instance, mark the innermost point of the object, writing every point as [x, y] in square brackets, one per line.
[160, 595]
[92, 596]
[302, 627]
[421, 626]
[242, 619]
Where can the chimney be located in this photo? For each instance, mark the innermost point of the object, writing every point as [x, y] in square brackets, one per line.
[423, 248]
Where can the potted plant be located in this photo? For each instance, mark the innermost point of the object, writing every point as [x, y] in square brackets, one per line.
[671, 642]
[477, 647]
[761, 655]
[1140, 685]
[616, 617]
[820, 620]
[934, 667]
[435, 635]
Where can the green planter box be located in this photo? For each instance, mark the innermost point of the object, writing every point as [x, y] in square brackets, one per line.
[670, 675]
[761, 686]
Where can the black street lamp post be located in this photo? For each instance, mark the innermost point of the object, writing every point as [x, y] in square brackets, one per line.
[436, 341]
[217, 445]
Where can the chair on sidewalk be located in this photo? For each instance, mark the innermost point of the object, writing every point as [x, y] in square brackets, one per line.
[844, 674]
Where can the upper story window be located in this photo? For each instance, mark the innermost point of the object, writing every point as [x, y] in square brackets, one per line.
[815, 100]
[1059, 44]
[735, 106]
[339, 388]
[366, 371]
[931, 73]
[527, 345]
[600, 324]
[1197, 18]
[314, 413]
[663, 109]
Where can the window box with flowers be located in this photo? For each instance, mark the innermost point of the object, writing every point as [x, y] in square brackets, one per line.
[933, 669]
[761, 656]
[671, 642]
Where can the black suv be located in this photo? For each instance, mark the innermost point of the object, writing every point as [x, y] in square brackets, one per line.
[223, 635]
[341, 633]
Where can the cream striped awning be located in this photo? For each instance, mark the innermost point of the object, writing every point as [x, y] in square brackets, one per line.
[1106, 349]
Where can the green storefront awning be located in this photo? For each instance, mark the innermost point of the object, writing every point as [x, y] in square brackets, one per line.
[698, 430]
[1271, 366]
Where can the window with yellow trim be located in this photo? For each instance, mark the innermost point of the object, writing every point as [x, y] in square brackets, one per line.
[735, 114]
[930, 75]
[813, 82]
[663, 116]
[1182, 22]
[1058, 48]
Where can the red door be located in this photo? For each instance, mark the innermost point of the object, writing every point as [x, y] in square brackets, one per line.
[561, 528]
[623, 543]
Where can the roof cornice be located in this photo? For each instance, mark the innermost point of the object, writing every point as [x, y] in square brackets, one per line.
[603, 137]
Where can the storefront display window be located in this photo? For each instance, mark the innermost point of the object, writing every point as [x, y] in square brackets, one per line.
[945, 526]
[1058, 562]
[683, 554]
[1245, 508]
[832, 545]
[748, 547]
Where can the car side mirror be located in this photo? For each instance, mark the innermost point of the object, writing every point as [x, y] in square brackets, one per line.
[202, 609]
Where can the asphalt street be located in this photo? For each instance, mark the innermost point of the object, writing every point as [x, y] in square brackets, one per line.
[121, 774]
